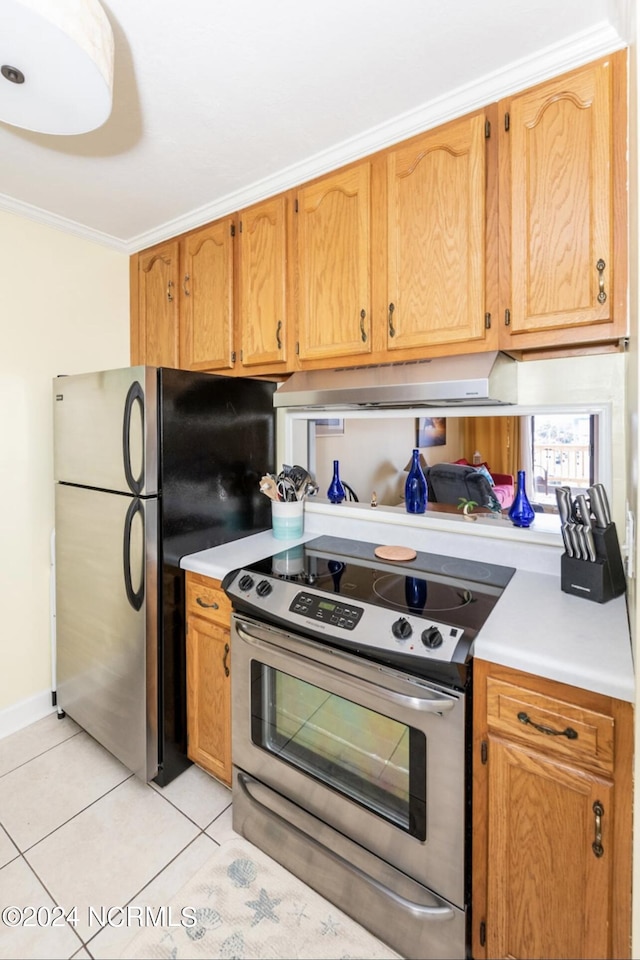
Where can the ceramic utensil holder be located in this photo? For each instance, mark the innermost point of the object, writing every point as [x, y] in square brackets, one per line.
[287, 519]
[601, 580]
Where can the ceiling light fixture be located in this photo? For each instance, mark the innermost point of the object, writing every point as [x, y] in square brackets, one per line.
[56, 65]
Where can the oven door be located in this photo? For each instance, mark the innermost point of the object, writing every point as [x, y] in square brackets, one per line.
[374, 754]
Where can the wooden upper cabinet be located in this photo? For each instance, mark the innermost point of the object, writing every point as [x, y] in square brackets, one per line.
[155, 283]
[263, 299]
[436, 223]
[334, 266]
[206, 317]
[562, 209]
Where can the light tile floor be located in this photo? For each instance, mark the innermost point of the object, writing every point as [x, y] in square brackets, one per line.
[78, 830]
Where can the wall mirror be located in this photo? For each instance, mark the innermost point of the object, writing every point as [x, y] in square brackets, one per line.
[561, 445]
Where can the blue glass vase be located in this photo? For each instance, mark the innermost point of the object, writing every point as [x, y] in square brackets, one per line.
[521, 513]
[415, 592]
[415, 489]
[336, 493]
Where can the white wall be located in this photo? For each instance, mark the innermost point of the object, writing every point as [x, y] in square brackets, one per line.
[65, 309]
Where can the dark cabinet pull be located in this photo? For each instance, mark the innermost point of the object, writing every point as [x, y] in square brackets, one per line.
[363, 332]
[225, 663]
[569, 732]
[135, 395]
[600, 265]
[134, 597]
[209, 606]
[596, 846]
[392, 329]
[278, 339]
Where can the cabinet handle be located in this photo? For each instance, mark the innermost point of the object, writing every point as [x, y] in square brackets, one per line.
[392, 329]
[224, 660]
[596, 846]
[169, 294]
[278, 339]
[569, 732]
[363, 332]
[600, 265]
[209, 606]
[184, 285]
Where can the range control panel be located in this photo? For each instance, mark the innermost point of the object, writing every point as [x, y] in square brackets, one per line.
[338, 614]
[361, 624]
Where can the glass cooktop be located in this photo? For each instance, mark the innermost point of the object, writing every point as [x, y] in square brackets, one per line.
[450, 590]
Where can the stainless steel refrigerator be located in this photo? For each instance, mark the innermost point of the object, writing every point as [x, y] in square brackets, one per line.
[150, 464]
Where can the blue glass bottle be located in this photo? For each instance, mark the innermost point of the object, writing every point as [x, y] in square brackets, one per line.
[415, 489]
[336, 493]
[521, 513]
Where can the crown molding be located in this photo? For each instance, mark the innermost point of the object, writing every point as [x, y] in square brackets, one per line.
[38, 215]
[600, 40]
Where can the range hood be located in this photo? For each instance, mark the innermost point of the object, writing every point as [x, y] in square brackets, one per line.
[473, 379]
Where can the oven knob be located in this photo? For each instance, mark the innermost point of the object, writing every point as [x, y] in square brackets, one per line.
[432, 638]
[401, 629]
[245, 582]
[264, 588]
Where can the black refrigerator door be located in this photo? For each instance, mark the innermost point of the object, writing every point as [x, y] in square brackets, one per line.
[217, 439]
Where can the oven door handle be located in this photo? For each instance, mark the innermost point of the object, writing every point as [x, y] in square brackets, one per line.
[416, 909]
[434, 703]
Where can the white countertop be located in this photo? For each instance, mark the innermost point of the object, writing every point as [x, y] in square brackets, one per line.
[534, 627]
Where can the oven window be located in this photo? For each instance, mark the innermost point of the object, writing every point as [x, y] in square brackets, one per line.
[373, 759]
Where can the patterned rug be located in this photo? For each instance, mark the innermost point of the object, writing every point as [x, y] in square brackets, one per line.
[242, 904]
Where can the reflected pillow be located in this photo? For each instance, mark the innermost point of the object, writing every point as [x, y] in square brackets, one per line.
[485, 473]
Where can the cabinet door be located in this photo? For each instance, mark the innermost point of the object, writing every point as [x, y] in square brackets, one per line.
[209, 697]
[561, 178]
[157, 306]
[263, 314]
[548, 891]
[436, 238]
[206, 320]
[334, 273]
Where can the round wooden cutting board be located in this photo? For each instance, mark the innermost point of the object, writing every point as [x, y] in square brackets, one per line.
[395, 553]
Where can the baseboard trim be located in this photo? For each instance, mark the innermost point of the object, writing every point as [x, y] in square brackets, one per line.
[27, 711]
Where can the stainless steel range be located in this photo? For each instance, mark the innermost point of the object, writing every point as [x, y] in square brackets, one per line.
[351, 685]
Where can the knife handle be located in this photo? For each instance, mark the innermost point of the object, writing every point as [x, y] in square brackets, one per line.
[605, 502]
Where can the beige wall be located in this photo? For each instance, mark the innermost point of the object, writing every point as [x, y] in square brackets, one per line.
[65, 309]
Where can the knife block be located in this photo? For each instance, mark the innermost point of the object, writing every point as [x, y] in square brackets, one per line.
[601, 580]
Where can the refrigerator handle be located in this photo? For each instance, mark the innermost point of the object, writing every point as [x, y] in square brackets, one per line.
[135, 597]
[135, 394]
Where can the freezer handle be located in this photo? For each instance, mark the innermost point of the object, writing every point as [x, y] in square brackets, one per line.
[135, 394]
[135, 597]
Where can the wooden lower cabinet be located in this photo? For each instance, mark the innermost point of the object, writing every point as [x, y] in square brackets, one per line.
[208, 676]
[551, 819]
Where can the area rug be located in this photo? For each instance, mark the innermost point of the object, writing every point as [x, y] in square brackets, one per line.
[247, 906]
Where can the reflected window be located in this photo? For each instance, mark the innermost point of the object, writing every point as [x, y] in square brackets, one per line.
[562, 453]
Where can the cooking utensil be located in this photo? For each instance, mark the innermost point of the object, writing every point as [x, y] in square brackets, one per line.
[269, 487]
[568, 540]
[586, 532]
[563, 498]
[600, 505]
[286, 489]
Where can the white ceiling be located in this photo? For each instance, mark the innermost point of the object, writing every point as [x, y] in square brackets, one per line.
[218, 103]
